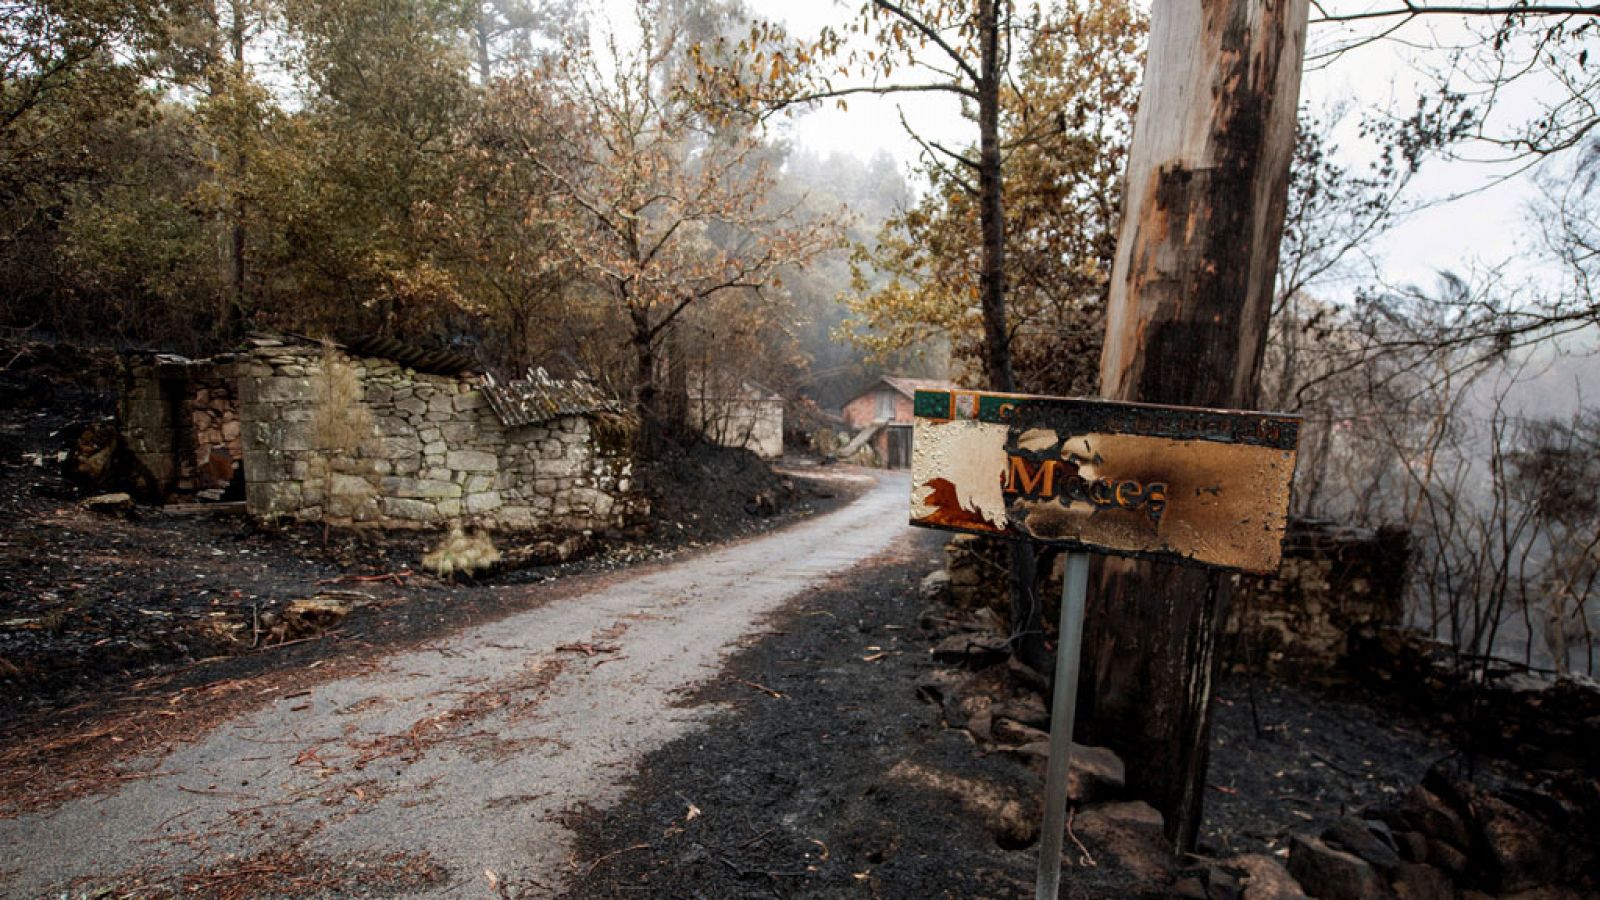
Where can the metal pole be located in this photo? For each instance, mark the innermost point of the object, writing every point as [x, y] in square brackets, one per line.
[1074, 587]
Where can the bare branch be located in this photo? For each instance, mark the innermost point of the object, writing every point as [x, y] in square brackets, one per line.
[931, 35]
[1410, 9]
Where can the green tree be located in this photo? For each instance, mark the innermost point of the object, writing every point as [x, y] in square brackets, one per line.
[494, 231]
[64, 93]
[515, 34]
[345, 182]
[1064, 126]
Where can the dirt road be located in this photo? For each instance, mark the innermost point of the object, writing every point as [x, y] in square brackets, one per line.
[448, 763]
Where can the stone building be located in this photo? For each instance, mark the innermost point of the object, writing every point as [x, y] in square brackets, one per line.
[742, 414]
[366, 436]
[180, 418]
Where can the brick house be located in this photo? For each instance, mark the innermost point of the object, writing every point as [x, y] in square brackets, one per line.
[884, 410]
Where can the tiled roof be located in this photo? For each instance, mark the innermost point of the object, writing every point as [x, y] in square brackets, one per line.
[436, 362]
[910, 386]
[422, 359]
[540, 398]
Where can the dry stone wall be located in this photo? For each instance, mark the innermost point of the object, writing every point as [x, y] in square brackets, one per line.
[364, 442]
[754, 424]
[1332, 581]
[181, 420]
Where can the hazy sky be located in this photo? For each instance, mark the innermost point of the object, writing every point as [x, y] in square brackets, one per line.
[1485, 228]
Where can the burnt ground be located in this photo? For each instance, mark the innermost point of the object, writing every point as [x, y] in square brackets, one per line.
[848, 784]
[845, 784]
[815, 782]
[1307, 755]
[102, 615]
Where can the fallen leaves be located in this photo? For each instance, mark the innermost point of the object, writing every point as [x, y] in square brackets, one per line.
[587, 649]
[776, 695]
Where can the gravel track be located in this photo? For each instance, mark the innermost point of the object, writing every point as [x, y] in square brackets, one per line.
[444, 763]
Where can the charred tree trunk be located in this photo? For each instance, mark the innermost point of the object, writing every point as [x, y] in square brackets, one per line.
[675, 404]
[1026, 612]
[646, 396]
[232, 324]
[480, 43]
[997, 346]
[1187, 323]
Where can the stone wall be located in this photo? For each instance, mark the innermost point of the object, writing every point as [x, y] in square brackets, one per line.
[365, 442]
[755, 424]
[180, 418]
[1542, 722]
[1332, 581]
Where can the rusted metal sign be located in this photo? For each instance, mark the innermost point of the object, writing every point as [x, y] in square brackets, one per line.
[1174, 483]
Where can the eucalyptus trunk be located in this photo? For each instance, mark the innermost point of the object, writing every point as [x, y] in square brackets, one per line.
[1191, 290]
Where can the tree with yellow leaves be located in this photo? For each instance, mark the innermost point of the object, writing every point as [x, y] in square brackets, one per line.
[661, 208]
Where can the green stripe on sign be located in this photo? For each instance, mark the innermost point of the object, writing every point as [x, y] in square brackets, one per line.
[931, 404]
[990, 408]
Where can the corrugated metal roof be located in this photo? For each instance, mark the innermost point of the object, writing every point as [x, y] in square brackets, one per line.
[540, 398]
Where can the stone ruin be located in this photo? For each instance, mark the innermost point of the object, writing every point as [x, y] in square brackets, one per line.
[181, 420]
[1333, 580]
[312, 433]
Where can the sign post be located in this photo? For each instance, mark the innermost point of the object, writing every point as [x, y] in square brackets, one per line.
[1195, 486]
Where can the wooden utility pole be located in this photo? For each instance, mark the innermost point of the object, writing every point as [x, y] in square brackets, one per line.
[1191, 291]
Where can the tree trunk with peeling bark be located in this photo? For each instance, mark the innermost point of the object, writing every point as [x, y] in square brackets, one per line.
[1186, 324]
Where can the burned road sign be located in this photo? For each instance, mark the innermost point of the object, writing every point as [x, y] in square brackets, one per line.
[1175, 483]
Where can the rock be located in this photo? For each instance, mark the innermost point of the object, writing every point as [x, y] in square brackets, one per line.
[1221, 885]
[1413, 845]
[981, 725]
[1416, 881]
[972, 649]
[1447, 857]
[118, 504]
[764, 503]
[1331, 874]
[471, 461]
[1038, 750]
[1356, 836]
[485, 502]
[552, 552]
[1010, 731]
[1136, 817]
[411, 510]
[1026, 676]
[1131, 832]
[314, 615]
[1434, 818]
[100, 458]
[1522, 851]
[1210, 882]
[1095, 774]
[1265, 878]
[935, 586]
[350, 486]
[1029, 710]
